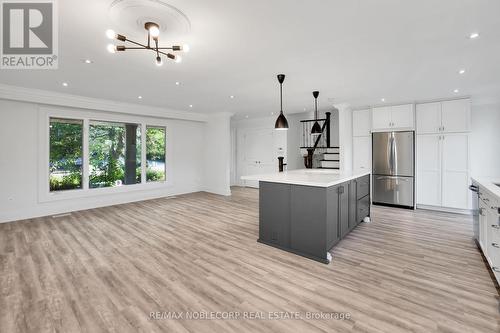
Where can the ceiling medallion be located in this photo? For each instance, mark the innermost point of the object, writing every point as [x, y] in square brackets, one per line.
[153, 30]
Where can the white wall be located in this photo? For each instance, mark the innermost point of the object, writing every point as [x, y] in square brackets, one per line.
[485, 141]
[217, 154]
[239, 126]
[345, 136]
[19, 164]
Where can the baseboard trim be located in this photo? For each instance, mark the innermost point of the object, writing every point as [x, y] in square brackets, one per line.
[446, 210]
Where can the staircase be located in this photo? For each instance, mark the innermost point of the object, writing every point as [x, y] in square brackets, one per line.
[316, 149]
[331, 158]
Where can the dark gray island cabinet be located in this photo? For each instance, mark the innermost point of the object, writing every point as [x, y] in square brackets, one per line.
[309, 217]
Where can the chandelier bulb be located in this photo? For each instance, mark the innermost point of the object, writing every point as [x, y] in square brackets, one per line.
[178, 59]
[186, 48]
[111, 48]
[111, 34]
[154, 32]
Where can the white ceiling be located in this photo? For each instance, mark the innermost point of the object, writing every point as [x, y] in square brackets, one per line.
[355, 51]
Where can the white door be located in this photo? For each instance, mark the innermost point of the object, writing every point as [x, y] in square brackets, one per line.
[402, 116]
[258, 153]
[456, 115]
[361, 123]
[429, 170]
[455, 166]
[362, 153]
[428, 118]
[381, 118]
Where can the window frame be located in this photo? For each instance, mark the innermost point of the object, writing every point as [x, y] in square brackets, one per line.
[146, 148]
[46, 113]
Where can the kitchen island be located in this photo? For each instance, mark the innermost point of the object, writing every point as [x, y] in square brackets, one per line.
[309, 211]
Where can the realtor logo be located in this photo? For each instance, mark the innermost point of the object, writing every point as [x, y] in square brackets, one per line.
[29, 34]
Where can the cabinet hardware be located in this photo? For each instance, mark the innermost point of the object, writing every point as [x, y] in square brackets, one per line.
[496, 269]
[495, 245]
[495, 226]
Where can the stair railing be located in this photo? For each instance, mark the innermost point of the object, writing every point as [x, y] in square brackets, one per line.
[325, 129]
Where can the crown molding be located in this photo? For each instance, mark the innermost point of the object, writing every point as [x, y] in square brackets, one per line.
[46, 97]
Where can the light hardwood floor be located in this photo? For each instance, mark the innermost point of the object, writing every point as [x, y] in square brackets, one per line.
[105, 270]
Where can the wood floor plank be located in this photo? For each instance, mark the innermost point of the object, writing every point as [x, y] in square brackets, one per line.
[108, 269]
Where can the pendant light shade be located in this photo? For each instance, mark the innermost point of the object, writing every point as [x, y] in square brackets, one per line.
[316, 129]
[281, 123]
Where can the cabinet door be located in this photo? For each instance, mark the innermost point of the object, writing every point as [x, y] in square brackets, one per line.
[455, 170]
[343, 190]
[353, 204]
[381, 118]
[483, 227]
[456, 116]
[362, 153]
[428, 118]
[361, 123]
[402, 116]
[429, 170]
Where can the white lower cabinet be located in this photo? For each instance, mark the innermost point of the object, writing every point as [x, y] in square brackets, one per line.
[362, 153]
[489, 230]
[429, 170]
[443, 170]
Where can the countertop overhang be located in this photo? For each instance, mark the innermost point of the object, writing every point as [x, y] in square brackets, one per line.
[308, 177]
[489, 184]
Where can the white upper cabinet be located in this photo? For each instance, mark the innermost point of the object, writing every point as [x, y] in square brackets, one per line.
[402, 116]
[428, 118]
[361, 123]
[381, 118]
[443, 117]
[393, 117]
[455, 116]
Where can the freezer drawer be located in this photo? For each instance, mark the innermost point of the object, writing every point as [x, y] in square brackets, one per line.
[393, 190]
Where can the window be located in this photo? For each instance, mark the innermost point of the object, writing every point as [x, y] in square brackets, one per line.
[65, 154]
[114, 154]
[155, 154]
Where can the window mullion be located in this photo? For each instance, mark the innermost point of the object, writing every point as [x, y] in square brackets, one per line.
[143, 153]
[86, 161]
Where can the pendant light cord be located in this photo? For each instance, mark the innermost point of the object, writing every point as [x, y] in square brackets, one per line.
[281, 97]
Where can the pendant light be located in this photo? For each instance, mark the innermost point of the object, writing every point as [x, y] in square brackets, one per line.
[316, 129]
[281, 122]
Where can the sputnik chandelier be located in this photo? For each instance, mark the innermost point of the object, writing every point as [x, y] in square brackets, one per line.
[153, 30]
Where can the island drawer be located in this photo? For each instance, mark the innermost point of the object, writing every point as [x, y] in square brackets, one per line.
[363, 186]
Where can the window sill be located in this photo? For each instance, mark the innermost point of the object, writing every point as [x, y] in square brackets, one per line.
[96, 192]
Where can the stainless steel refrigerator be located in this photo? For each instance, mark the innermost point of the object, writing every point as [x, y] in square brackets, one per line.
[393, 168]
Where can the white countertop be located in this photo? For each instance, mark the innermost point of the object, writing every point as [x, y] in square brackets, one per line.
[489, 185]
[308, 177]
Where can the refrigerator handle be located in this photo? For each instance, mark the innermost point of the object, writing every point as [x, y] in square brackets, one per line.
[391, 155]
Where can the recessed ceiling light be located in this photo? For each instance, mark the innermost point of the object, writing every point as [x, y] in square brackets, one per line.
[456, 91]
[65, 84]
[190, 105]
[231, 96]
[474, 35]
[177, 83]
[304, 109]
[139, 97]
[462, 71]
[246, 116]
[272, 113]
[88, 61]
[382, 99]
